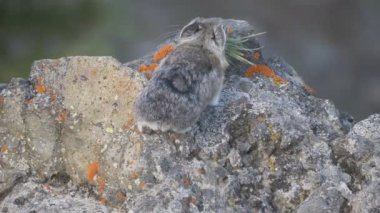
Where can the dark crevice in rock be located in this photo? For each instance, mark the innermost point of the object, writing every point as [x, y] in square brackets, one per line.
[18, 178]
[345, 207]
[59, 179]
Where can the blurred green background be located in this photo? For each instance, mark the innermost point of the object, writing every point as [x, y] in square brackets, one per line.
[32, 30]
[333, 44]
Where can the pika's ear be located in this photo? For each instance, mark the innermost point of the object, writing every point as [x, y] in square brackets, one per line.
[190, 29]
[220, 36]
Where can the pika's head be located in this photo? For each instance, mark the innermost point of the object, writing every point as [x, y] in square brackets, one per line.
[209, 34]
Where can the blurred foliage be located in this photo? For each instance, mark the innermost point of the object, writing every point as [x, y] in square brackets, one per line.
[36, 29]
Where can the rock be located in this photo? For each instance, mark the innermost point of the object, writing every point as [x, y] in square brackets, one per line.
[2, 86]
[358, 154]
[68, 143]
[32, 197]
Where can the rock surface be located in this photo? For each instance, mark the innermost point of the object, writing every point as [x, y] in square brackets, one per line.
[68, 143]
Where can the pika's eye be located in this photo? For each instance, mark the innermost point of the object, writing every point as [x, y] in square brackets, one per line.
[213, 36]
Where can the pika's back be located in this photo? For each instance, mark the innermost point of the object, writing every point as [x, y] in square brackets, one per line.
[188, 80]
[190, 56]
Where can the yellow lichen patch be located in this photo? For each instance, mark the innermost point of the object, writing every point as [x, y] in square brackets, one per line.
[102, 185]
[261, 118]
[278, 80]
[1, 103]
[4, 149]
[134, 175]
[272, 163]
[147, 68]
[92, 171]
[266, 71]
[309, 89]
[303, 195]
[274, 135]
[229, 29]
[39, 87]
[162, 52]
[215, 156]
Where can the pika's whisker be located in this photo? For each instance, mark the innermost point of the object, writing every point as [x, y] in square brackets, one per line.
[244, 60]
[246, 38]
[168, 35]
[174, 26]
[250, 50]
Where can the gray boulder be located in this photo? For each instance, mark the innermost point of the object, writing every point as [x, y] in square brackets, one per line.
[68, 143]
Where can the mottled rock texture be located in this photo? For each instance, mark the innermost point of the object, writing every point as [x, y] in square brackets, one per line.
[68, 142]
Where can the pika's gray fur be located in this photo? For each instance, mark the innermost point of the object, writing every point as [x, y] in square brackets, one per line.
[187, 81]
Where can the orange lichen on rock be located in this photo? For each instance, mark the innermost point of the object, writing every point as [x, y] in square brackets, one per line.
[53, 96]
[129, 124]
[4, 149]
[93, 72]
[191, 200]
[102, 184]
[134, 175]
[103, 200]
[120, 196]
[147, 68]
[62, 115]
[142, 185]
[56, 62]
[40, 87]
[266, 71]
[201, 171]
[256, 56]
[309, 89]
[92, 170]
[186, 182]
[46, 186]
[162, 52]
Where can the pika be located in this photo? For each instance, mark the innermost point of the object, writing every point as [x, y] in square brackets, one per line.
[188, 80]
